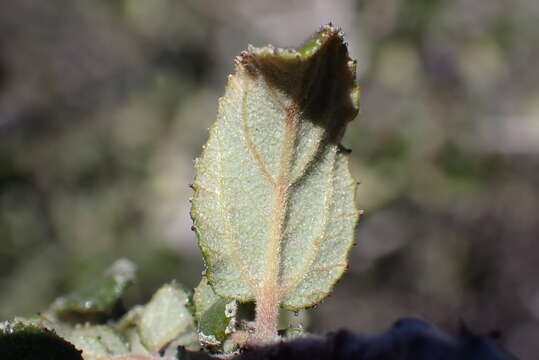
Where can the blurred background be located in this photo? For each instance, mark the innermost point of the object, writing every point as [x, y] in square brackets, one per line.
[104, 104]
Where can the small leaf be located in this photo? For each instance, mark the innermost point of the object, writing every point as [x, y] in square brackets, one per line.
[293, 320]
[41, 321]
[20, 341]
[94, 303]
[135, 344]
[204, 297]
[129, 320]
[97, 342]
[215, 315]
[274, 208]
[165, 318]
[187, 341]
[293, 332]
[217, 322]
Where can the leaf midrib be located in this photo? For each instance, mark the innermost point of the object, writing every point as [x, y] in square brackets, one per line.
[280, 201]
[315, 246]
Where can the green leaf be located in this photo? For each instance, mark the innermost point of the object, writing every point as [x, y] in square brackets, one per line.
[186, 341]
[274, 208]
[95, 302]
[97, 341]
[217, 322]
[135, 344]
[204, 297]
[129, 320]
[294, 332]
[41, 321]
[215, 315]
[26, 341]
[165, 318]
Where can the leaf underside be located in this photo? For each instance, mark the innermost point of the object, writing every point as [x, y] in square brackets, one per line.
[27, 341]
[274, 206]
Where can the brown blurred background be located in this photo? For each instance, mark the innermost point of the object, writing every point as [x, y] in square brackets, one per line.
[105, 103]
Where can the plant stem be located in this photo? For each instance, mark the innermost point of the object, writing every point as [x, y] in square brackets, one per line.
[268, 297]
[267, 315]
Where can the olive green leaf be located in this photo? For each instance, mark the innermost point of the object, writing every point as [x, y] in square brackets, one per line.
[203, 298]
[274, 208]
[96, 302]
[129, 320]
[21, 340]
[214, 324]
[215, 315]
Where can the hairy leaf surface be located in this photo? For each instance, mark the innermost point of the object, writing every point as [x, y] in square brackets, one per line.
[274, 207]
[165, 318]
[97, 342]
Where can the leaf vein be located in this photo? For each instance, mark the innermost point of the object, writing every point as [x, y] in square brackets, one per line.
[234, 255]
[311, 257]
[251, 145]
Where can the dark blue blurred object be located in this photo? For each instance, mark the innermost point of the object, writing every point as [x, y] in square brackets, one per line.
[408, 339]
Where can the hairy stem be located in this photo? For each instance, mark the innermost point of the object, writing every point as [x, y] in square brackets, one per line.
[267, 316]
[268, 297]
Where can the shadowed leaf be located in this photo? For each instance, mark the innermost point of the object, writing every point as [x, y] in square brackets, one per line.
[19, 341]
[97, 301]
[274, 206]
[215, 315]
[203, 298]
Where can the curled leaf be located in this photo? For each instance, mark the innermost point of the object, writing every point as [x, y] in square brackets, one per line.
[26, 341]
[274, 207]
[96, 302]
